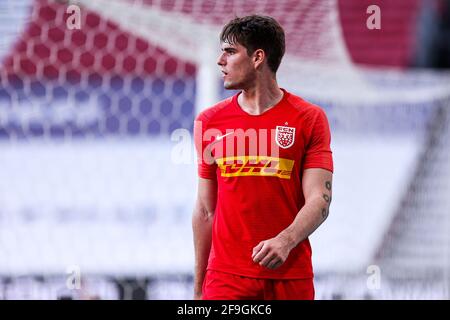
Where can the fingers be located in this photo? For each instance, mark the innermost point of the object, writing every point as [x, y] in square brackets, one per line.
[275, 263]
[272, 261]
[257, 249]
[261, 254]
[263, 251]
[264, 255]
[268, 259]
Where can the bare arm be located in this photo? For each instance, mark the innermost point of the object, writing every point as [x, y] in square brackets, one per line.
[316, 184]
[202, 219]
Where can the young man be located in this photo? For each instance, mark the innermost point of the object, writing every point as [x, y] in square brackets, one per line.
[259, 200]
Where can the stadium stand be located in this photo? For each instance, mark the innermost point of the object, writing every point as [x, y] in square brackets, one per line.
[90, 120]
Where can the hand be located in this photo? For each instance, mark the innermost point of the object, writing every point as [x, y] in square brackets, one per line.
[271, 253]
[198, 296]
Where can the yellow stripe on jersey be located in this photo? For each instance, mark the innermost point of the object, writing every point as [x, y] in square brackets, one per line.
[255, 166]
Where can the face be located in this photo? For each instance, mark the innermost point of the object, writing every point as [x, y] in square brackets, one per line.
[238, 69]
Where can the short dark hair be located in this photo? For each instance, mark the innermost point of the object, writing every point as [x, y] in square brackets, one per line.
[257, 32]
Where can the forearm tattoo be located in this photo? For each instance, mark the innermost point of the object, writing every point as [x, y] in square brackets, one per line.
[327, 198]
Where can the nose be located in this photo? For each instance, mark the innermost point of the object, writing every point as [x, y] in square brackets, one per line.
[221, 60]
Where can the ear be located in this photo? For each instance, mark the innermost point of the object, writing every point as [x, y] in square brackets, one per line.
[259, 56]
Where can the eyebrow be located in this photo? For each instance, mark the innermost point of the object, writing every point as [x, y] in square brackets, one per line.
[229, 49]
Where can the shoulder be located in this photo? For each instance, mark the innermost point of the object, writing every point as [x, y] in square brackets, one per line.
[304, 107]
[308, 114]
[210, 113]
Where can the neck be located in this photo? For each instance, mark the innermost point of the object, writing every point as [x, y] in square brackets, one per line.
[260, 97]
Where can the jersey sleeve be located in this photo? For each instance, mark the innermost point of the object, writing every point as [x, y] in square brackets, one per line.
[318, 152]
[206, 166]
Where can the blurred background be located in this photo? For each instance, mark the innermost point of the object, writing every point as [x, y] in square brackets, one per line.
[97, 187]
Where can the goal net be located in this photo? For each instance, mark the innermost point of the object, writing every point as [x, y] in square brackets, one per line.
[93, 113]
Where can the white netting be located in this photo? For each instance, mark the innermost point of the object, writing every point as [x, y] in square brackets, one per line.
[88, 174]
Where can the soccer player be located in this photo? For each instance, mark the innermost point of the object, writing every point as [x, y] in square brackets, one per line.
[260, 198]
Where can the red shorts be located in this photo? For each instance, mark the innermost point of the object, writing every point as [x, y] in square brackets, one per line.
[225, 286]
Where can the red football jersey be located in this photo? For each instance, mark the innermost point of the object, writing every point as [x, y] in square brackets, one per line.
[258, 162]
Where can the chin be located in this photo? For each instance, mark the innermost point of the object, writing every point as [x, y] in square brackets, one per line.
[230, 86]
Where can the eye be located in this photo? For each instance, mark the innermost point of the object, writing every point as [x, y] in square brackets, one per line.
[230, 51]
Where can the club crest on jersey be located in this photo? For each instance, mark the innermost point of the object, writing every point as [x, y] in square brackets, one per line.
[284, 136]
